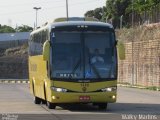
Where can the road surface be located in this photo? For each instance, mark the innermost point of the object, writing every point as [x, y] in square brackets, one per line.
[132, 104]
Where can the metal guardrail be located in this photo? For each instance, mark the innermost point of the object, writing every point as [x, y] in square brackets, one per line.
[14, 81]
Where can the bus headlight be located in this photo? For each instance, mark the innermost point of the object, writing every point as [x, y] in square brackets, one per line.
[58, 89]
[109, 89]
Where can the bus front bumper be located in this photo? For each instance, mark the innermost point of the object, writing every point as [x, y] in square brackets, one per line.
[98, 97]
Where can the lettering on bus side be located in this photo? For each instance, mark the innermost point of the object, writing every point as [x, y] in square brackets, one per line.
[67, 75]
[33, 67]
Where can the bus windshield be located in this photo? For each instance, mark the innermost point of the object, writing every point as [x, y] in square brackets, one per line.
[83, 55]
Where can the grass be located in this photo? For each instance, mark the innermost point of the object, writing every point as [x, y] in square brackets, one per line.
[142, 33]
[153, 88]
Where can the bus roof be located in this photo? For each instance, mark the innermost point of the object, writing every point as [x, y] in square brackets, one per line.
[80, 23]
[73, 23]
[75, 19]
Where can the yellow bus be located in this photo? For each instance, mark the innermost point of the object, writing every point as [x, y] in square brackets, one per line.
[73, 62]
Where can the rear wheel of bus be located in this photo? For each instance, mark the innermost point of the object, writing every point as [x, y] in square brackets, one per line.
[37, 100]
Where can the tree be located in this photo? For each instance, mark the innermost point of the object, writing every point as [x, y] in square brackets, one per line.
[141, 8]
[112, 12]
[89, 13]
[96, 13]
[6, 29]
[24, 28]
[115, 9]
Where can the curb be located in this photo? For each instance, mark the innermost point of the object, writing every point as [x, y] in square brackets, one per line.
[139, 87]
[14, 81]
[123, 85]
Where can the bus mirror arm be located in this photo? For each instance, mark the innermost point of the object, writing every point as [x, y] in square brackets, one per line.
[116, 43]
[46, 50]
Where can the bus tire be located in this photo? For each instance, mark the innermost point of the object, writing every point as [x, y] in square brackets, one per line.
[51, 105]
[43, 101]
[37, 100]
[102, 106]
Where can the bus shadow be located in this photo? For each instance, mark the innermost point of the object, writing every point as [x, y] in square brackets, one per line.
[116, 108]
[135, 108]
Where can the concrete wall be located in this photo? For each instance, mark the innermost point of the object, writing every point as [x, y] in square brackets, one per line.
[144, 68]
[14, 67]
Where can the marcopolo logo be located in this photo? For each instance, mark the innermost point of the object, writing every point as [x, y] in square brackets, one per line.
[84, 86]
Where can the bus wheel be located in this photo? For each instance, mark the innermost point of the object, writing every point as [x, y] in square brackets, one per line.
[102, 105]
[43, 101]
[37, 100]
[51, 105]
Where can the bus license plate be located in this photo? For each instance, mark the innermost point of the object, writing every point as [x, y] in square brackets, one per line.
[84, 98]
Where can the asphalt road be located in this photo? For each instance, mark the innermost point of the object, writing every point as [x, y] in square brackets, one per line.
[16, 103]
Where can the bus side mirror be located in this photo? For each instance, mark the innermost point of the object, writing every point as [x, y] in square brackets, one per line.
[46, 50]
[121, 50]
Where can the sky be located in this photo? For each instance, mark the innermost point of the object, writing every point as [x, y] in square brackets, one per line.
[20, 12]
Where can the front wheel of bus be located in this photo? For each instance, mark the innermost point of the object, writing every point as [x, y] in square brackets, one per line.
[37, 100]
[102, 106]
[51, 105]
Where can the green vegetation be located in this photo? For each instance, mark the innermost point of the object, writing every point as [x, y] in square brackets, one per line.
[143, 33]
[114, 10]
[24, 28]
[153, 88]
[96, 13]
[8, 29]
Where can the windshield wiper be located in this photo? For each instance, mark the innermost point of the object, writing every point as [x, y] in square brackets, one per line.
[75, 68]
[95, 70]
